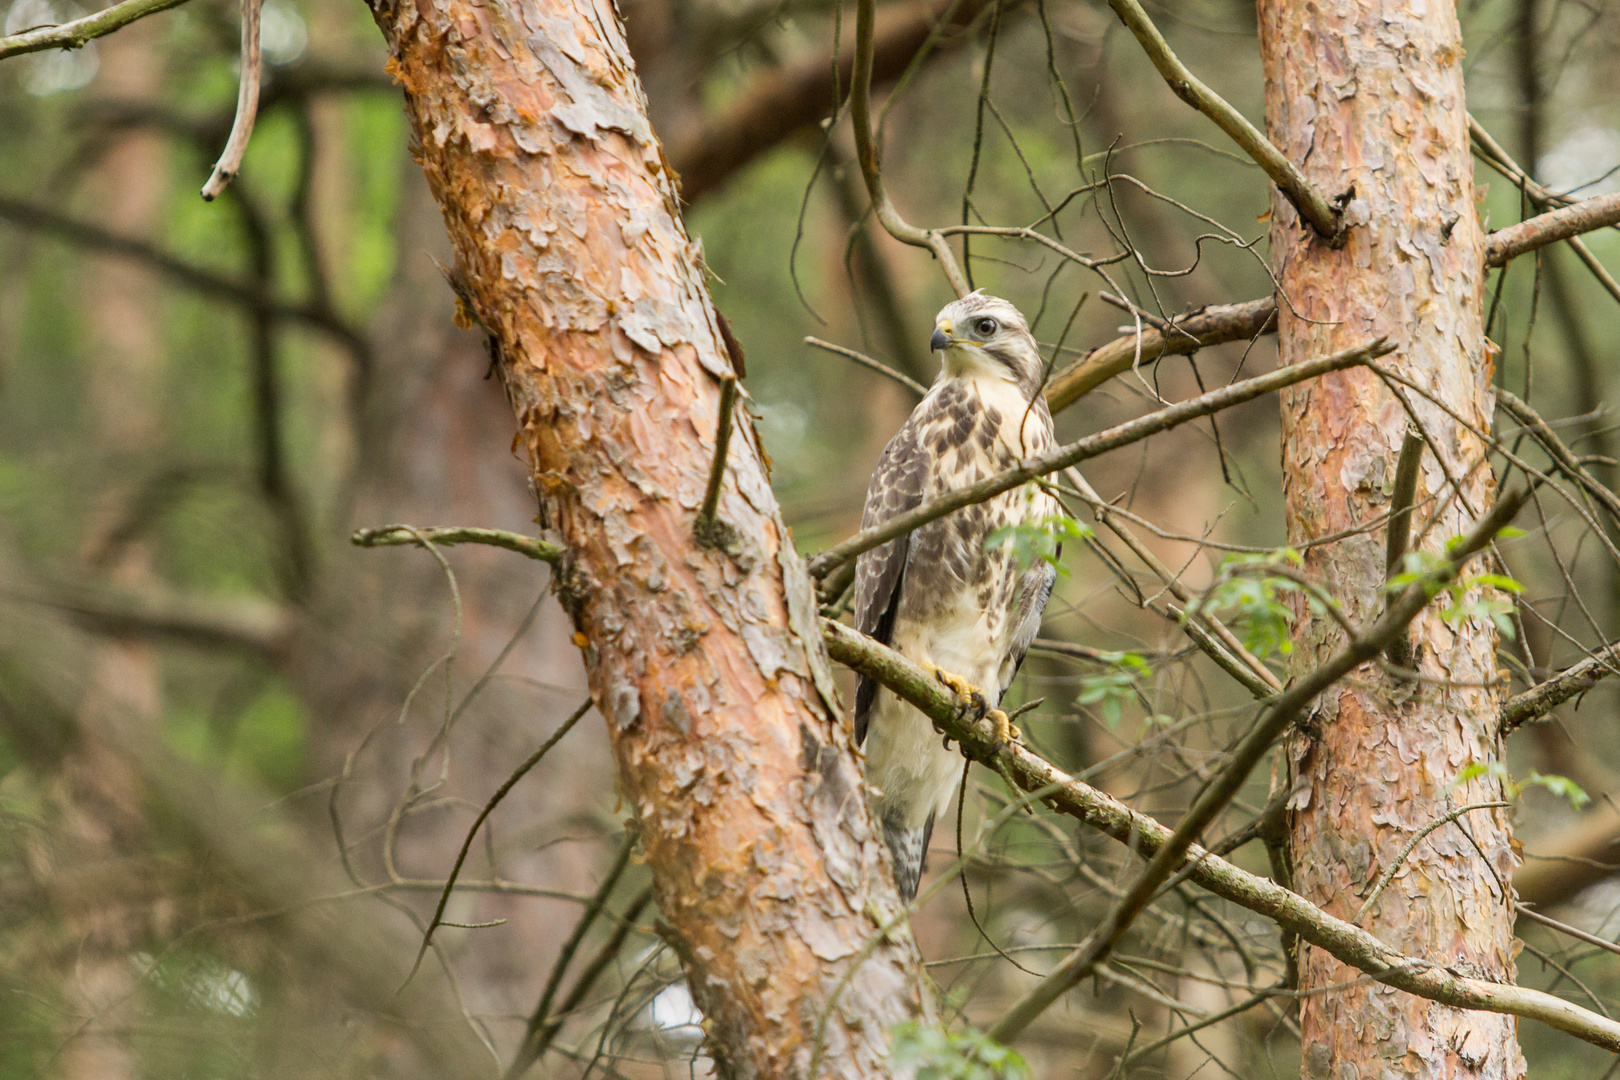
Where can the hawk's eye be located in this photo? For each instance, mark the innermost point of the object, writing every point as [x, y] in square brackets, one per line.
[985, 327]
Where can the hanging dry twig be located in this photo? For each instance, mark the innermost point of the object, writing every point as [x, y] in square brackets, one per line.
[247, 105]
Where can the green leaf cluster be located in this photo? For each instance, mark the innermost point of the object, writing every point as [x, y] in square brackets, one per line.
[1254, 602]
[1561, 786]
[935, 1054]
[1109, 690]
[1466, 597]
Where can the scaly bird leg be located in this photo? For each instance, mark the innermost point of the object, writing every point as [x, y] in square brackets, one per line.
[1006, 730]
[974, 704]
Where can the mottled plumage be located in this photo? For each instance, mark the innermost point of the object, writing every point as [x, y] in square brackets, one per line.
[937, 596]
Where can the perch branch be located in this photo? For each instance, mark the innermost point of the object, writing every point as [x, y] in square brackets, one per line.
[1071, 797]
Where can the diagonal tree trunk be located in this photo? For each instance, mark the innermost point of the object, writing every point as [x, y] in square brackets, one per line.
[703, 654]
[1368, 97]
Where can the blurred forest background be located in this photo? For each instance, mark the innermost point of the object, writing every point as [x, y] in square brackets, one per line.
[238, 755]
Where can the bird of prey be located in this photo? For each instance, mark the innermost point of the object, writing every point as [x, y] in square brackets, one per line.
[937, 595]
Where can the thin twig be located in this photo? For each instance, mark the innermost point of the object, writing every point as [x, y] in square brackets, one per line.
[247, 105]
[1563, 458]
[79, 32]
[1091, 446]
[860, 104]
[543, 1026]
[489, 808]
[1312, 206]
[401, 535]
[1240, 762]
[870, 364]
[1389, 875]
[1564, 928]
[1209, 1021]
[1206, 631]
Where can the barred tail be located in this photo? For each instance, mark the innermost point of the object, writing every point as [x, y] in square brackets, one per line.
[909, 849]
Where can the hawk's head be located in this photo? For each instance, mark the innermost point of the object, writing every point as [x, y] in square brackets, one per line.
[984, 335]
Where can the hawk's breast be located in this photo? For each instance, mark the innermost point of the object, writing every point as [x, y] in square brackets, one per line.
[977, 429]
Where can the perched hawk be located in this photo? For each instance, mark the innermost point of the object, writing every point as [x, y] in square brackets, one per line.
[937, 596]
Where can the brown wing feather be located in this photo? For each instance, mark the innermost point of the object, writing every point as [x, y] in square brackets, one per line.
[897, 486]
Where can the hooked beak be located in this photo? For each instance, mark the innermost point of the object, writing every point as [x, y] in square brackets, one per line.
[939, 341]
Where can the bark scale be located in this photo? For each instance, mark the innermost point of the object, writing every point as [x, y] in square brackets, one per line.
[704, 657]
[1367, 95]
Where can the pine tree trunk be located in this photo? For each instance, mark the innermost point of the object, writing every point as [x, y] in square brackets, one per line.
[1368, 97]
[704, 656]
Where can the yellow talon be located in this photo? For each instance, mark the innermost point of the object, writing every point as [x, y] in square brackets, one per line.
[1006, 730]
[958, 685]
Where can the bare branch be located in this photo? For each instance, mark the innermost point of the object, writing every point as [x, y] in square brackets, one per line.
[247, 105]
[1240, 762]
[1093, 445]
[1551, 227]
[1500, 160]
[400, 535]
[860, 104]
[1563, 458]
[1544, 697]
[1237, 322]
[717, 467]
[1398, 535]
[1310, 203]
[1211, 326]
[76, 34]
